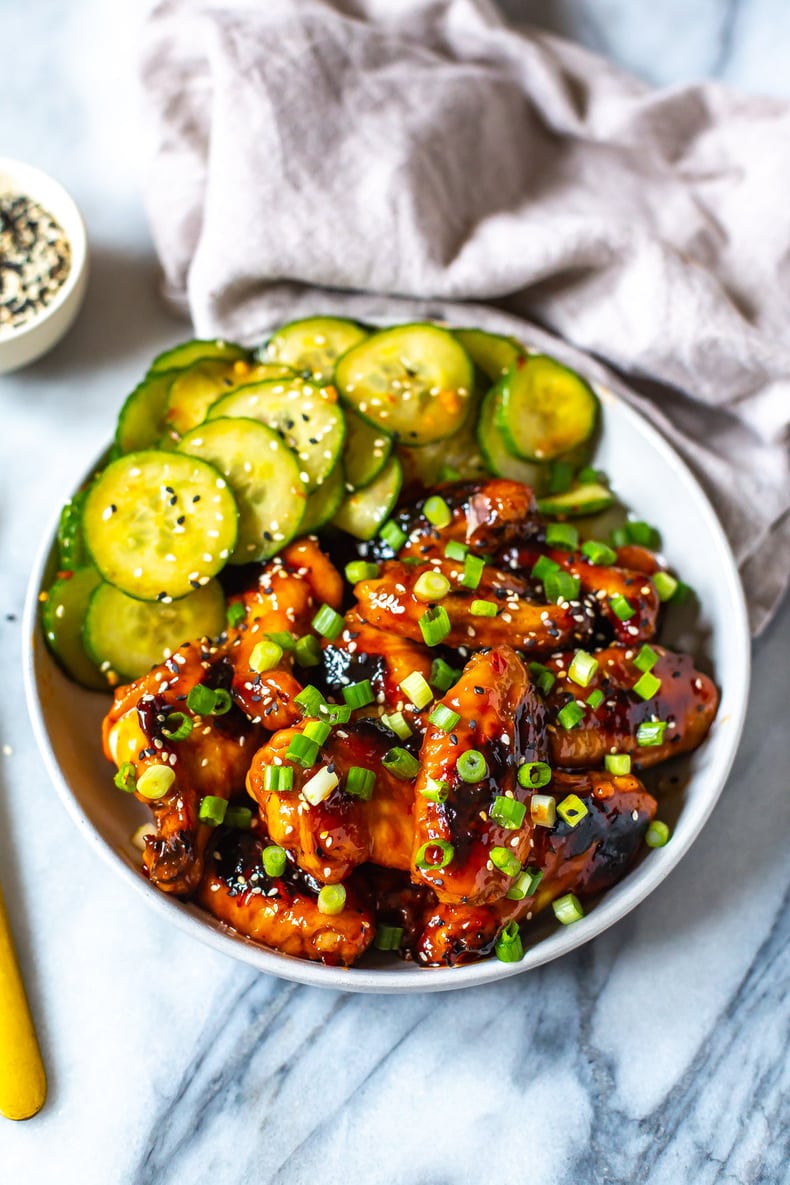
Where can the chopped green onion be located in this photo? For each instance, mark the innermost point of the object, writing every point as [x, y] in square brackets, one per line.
[400, 762]
[236, 613]
[318, 788]
[595, 699]
[543, 810]
[393, 536]
[582, 668]
[359, 695]
[561, 586]
[545, 567]
[588, 476]
[278, 778]
[360, 782]
[434, 790]
[562, 535]
[283, 638]
[505, 861]
[448, 473]
[444, 718]
[327, 623]
[617, 763]
[396, 722]
[309, 700]
[155, 781]
[125, 779]
[657, 834]
[265, 656]
[177, 727]
[417, 688]
[274, 860]
[646, 659]
[484, 608]
[431, 586]
[572, 809]
[360, 570]
[571, 715]
[560, 476]
[455, 550]
[647, 685]
[435, 625]
[302, 750]
[643, 534]
[567, 909]
[442, 675]
[436, 853]
[239, 817]
[437, 512]
[651, 733]
[473, 571]
[204, 701]
[335, 713]
[666, 586]
[599, 553]
[331, 899]
[524, 885]
[388, 937]
[307, 651]
[534, 774]
[619, 537]
[212, 810]
[508, 812]
[508, 947]
[472, 766]
[318, 731]
[621, 607]
[544, 679]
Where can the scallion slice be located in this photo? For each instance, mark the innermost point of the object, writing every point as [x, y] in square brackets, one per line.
[598, 553]
[212, 810]
[643, 534]
[646, 659]
[657, 834]
[360, 782]
[265, 656]
[393, 536]
[307, 651]
[359, 695]
[435, 625]
[236, 614]
[442, 676]
[331, 899]
[582, 668]
[283, 638]
[560, 476]
[126, 779]
[207, 701]
[360, 570]
[177, 727]
[327, 623]
[543, 810]
[434, 790]
[401, 763]
[455, 550]
[534, 774]
[567, 909]
[444, 718]
[545, 567]
[155, 781]
[278, 779]
[505, 861]
[508, 812]
[543, 678]
[388, 937]
[647, 685]
[570, 715]
[508, 947]
[572, 809]
[318, 788]
[437, 512]
[595, 699]
[302, 750]
[651, 733]
[274, 860]
[473, 570]
[484, 608]
[472, 766]
[239, 817]
[563, 536]
[436, 853]
[621, 607]
[396, 722]
[561, 586]
[416, 687]
[318, 731]
[335, 713]
[665, 585]
[618, 764]
[309, 700]
[431, 586]
[524, 885]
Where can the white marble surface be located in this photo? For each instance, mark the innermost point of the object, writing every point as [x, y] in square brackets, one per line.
[656, 1054]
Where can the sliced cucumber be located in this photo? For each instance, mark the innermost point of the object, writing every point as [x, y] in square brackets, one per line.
[307, 417]
[495, 451]
[586, 499]
[491, 352]
[128, 637]
[363, 512]
[545, 409]
[365, 452]
[141, 421]
[188, 353]
[414, 381]
[263, 474]
[62, 616]
[159, 524]
[72, 551]
[323, 503]
[458, 458]
[314, 344]
[196, 389]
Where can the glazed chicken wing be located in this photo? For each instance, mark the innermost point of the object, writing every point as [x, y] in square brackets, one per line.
[213, 759]
[386, 659]
[281, 912]
[685, 702]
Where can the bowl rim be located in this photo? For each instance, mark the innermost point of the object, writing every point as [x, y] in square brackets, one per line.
[615, 903]
[78, 241]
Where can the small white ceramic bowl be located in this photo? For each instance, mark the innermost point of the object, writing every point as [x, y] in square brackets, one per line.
[42, 332]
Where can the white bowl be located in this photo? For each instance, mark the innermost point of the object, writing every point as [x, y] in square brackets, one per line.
[42, 332]
[653, 481]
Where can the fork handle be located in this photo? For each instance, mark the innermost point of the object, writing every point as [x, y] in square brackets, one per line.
[23, 1083]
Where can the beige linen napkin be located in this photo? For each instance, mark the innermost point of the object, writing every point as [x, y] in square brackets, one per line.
[396, 157]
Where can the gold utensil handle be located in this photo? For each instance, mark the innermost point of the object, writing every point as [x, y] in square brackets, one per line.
[23, 1083]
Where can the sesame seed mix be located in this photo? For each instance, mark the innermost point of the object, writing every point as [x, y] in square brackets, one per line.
[35, 259]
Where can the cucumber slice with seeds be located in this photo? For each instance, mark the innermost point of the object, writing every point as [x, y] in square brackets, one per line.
[492, 353]
[126, 637]
[364, 512]
[314, 344]
[187, 353]
[72, 550]
[324, 502]
[307, 417]
[141, 420]
[160, 525]
[195, 390]
[495, 451]
[365, 452]
[414, 381]
[62, 617]
[586, 499]
[458, 458]
[264, 476]
[545, 409]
